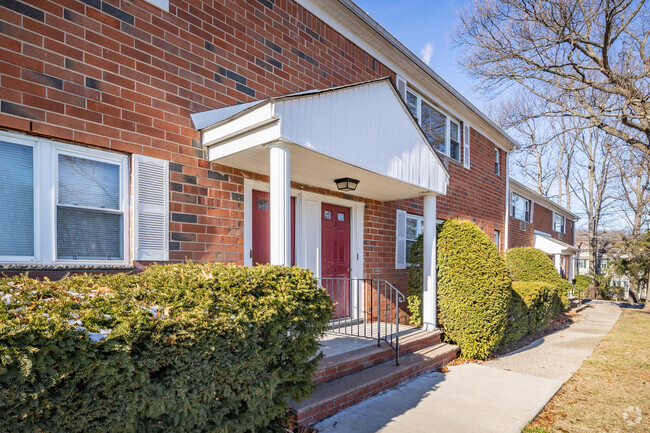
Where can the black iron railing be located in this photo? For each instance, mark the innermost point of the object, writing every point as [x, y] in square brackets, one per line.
[365, 308]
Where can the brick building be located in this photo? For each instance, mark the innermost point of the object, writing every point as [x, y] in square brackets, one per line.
[164, 130]
[537, 221]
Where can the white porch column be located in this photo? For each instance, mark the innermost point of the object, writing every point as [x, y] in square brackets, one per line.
[429, 298]
[280, 186]
[571, 266]
[558, 262]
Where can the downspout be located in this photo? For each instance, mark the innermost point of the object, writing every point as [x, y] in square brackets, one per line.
[507, 219]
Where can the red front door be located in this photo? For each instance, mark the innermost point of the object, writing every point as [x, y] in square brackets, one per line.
[335, 244]
[262, 228]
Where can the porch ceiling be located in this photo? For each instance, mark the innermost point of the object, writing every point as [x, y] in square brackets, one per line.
[363, 131]
[318, 170]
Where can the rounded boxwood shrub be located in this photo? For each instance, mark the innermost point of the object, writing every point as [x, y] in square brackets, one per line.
[182, 348]
[531, 264]
[473, 288]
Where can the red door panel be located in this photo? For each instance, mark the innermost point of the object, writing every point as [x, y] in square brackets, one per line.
[262, 228]
[335, 244]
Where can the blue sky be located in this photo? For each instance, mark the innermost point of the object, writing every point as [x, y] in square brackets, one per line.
[424, 26]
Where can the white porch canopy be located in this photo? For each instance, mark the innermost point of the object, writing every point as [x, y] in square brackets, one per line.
[557, 249]
[362, 131]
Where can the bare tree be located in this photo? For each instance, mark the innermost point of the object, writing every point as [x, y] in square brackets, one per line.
[592, 175]
[634, 177]
[570, 53]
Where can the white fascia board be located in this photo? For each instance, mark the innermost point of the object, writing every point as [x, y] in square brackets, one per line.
[268, 133]
[235, 126]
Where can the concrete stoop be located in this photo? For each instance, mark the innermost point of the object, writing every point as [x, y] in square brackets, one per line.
[367, 373]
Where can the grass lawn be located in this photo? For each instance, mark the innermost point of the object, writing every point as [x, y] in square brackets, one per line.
[611, 391]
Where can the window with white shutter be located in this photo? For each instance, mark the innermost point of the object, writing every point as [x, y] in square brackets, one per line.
[151, 208]
[466, 129]
[400, 240]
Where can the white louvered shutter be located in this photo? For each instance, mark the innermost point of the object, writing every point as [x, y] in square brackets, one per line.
[401, 86]
[466, 145]
[400, 240]
[532, 207]
[151, 208]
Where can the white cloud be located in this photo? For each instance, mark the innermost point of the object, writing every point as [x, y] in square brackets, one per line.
[427, 52]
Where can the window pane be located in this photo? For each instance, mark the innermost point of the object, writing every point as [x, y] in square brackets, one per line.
[520, 207]
[88, 234]
[454, 150]
[17, 192]
[83, 182]
[412, 103]
[434, 124]
[411, 228]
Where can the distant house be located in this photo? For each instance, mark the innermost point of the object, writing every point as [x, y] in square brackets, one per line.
[537, 221]
[606, 252]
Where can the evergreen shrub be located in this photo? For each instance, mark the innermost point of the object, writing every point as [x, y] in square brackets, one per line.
[182, 348]
[531, 264]
[473, 288]
[538, 297]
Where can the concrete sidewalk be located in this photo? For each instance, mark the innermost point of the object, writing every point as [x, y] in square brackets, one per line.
[499, 396]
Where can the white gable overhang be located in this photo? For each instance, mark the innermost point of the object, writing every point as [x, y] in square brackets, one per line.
[363, 131]
[553, 246]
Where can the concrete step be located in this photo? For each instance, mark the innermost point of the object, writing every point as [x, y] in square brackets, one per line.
[337, 366]
[332, 397]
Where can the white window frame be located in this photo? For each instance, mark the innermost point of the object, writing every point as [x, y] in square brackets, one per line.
[419, 228]
[497, 239]
[563, 226]
[45, 165]
[527, 213]
[497, 161]
[448, 121]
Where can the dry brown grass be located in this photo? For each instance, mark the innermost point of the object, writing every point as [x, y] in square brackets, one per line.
[611, 391]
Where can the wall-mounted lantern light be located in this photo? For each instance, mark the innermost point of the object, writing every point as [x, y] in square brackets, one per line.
[346, 184]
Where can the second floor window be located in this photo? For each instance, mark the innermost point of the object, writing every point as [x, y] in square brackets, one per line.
[559, 223]
[497, 162]
[520, 208]
[442, 131]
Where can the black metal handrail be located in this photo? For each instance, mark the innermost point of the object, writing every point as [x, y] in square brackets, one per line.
[365, 308]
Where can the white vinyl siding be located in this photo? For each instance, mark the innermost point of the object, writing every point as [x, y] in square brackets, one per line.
[442, 132]
[73, 203]
[151, 214]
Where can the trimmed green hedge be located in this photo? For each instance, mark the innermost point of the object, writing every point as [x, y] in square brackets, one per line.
[183, 348]
[538, 297]
[473, 288]
[531, 264]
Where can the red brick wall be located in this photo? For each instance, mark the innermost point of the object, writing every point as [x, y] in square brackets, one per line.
[126, 78]
[477, 194]
[543, 222]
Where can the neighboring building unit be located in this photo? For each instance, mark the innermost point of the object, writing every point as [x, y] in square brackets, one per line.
[537, 221]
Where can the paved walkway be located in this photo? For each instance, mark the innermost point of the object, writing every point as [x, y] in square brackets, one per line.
[499, 396]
